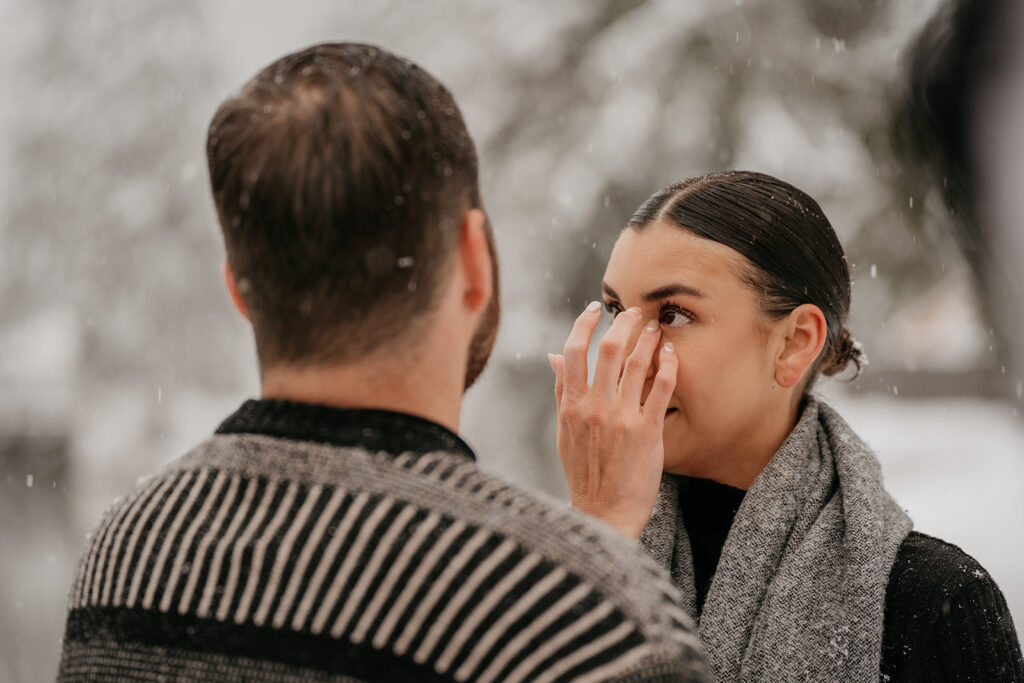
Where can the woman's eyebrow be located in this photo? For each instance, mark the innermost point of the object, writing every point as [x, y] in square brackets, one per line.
[661, 292]
[609, 291]
[672, 290]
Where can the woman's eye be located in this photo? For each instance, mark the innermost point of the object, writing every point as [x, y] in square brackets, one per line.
[614, 309]
[675, 317]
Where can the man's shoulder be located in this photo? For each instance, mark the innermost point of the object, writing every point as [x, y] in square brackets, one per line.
[445, 483]
[424, 557]
[457, 493]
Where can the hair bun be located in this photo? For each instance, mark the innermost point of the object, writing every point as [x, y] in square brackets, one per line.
[844, 351]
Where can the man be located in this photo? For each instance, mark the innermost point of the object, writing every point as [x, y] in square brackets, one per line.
[338, 526]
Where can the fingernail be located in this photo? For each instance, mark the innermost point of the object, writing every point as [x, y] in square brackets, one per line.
[668, 347]
[551, 360]
[593, 306]
[652, 326]
[635, 310]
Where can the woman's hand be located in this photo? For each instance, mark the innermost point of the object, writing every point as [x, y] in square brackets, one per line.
[609, 442]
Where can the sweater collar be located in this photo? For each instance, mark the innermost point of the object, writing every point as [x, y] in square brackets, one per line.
[372, 430]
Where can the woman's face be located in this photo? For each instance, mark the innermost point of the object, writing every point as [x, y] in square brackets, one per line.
[725, 401]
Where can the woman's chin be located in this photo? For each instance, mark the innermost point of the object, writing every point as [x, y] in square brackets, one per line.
[679, 459]
[679, 463]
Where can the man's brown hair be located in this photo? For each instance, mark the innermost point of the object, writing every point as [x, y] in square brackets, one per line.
[340, 175]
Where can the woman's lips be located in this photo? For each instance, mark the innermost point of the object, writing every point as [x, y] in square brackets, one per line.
[671, 411]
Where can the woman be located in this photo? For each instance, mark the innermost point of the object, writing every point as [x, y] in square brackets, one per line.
[730, 294]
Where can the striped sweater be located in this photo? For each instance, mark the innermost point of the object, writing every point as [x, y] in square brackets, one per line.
[308, 542]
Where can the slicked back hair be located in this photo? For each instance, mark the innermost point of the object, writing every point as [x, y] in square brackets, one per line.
[340, 174]
[794, 256]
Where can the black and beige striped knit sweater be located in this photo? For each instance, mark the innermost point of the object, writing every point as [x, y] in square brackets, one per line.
[304, 542]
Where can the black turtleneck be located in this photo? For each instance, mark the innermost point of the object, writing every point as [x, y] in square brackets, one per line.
[708, 510]
[945, 618]
[369, 429]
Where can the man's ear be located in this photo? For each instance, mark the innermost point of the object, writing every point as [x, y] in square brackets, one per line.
[236, 295]
[805, 332]
[475, 260]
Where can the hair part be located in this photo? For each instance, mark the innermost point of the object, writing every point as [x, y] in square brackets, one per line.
[340, 175]
[792, 252]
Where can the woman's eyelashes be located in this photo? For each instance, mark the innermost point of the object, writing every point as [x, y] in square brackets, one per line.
[672, 315]
[669, 314]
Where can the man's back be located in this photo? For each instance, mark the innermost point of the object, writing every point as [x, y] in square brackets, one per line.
[304, 541]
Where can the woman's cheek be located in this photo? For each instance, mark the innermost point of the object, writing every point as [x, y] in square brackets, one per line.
[684, 388]
[688, 368]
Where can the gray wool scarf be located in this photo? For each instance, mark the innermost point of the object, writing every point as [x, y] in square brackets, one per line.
[799, 591]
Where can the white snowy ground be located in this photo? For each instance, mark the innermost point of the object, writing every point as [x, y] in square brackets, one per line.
[957, 467]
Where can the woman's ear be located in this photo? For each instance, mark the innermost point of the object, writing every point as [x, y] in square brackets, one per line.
[805, 333]
[475, 258]
[236, 295]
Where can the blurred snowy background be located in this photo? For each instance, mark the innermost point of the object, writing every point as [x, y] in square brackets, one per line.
[119, 350]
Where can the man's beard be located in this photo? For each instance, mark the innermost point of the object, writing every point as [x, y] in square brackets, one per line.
[483, 338]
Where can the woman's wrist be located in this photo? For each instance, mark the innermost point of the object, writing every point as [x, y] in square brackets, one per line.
[628, 523]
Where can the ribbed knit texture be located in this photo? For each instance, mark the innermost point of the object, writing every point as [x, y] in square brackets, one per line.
[799, 590]
[946, 619]
[276, 558]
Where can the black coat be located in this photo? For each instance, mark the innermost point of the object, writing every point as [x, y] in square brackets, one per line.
[945, 618]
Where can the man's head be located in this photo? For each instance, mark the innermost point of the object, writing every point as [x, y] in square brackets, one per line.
[344, 178]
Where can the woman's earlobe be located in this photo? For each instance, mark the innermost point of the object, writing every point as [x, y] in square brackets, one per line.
[787, 375]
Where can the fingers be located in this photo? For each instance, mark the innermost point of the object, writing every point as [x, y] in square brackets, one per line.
[575, 353]
[558, 367]
[664, 384]
[635, 373]
[613, 349]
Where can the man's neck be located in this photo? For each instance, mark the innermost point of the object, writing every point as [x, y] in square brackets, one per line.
[426, 389]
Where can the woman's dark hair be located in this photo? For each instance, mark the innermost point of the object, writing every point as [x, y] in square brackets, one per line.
[794, 254]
